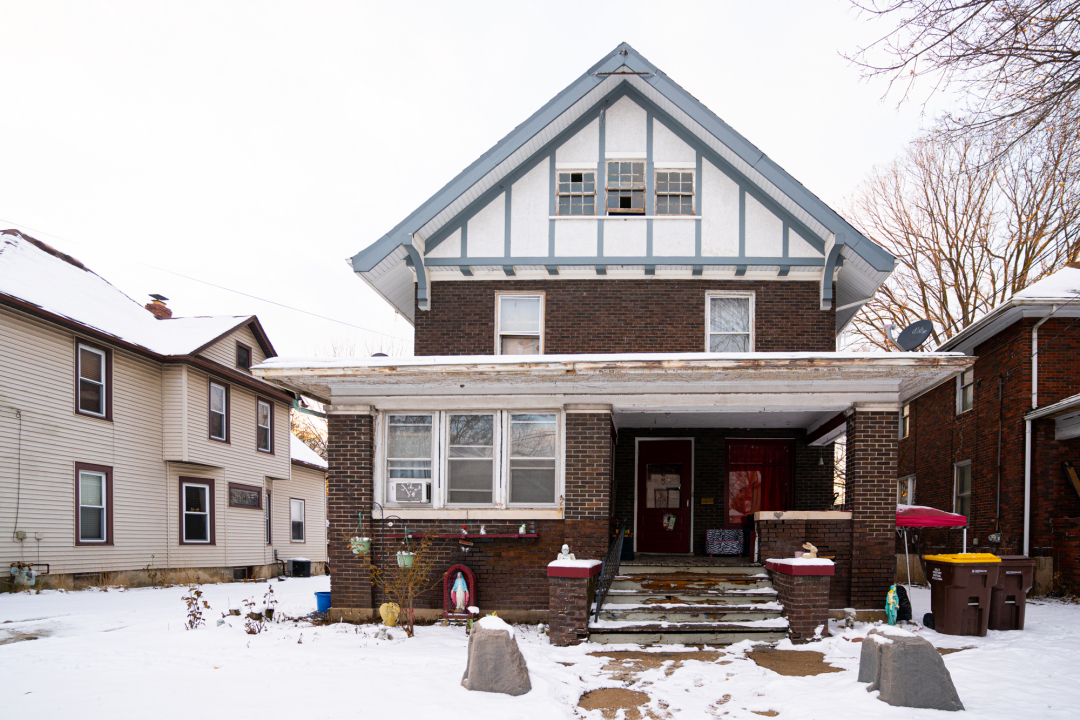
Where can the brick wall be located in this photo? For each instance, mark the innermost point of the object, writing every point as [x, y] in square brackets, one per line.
[782, 538]
[939, 438]
[614, 316]
[812, 481]
[1066, 534]
[871, 497]
[568, 610]
[806, 604]
[510, 573]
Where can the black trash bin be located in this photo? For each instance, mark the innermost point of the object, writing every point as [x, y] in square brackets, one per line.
[1008, 597]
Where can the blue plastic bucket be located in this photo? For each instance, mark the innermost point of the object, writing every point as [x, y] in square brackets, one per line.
[322, 601]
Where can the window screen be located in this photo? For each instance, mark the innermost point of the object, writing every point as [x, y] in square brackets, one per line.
[91, 507]
[218, 409]
[296, 519]
[729, 324]
[91, 381]
[471, 459]
[264, 426]
[408, 452]
[532, 458]
[520, 324]
[196, 513]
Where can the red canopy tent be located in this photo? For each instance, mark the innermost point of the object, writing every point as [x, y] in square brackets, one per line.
[919, 516]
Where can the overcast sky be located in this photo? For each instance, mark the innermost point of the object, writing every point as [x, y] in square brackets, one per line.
[257, 145]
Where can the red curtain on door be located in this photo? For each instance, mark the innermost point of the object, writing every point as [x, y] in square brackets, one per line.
[758, 476]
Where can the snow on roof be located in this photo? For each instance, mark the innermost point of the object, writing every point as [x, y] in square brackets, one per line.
[1062, 285]
[35, 273]
[300, 452]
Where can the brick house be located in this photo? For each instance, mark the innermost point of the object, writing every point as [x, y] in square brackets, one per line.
[622, 311]
[991, 443]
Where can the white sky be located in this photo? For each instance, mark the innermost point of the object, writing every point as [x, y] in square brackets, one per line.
[257, 145]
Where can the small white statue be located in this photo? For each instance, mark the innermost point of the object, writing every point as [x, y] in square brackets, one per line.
[483, 530]
[565, 554]
[811, 551]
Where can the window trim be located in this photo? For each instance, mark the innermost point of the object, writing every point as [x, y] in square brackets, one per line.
[211, 508]
[108, 378]
[210, 412]
[692, 194]
[905, 421]
[440, 468]
[107, 471]
[250, 488]
[251, 357]
[270, 429]
[303, 504]
[610, 189]
[960, 409]
[752, 295]
[956, 486]
[268, 516]
[558, 194]
[496, 458]
[499, 295]
[910, 480]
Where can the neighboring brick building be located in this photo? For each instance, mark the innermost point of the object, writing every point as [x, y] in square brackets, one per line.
[623, 311]
[953, 429]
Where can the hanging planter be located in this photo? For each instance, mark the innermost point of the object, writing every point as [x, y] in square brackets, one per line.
[405, 559]
[360, 545]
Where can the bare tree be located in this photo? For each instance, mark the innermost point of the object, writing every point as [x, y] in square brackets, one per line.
[968, 226]
[1017, 62]
[310, 429]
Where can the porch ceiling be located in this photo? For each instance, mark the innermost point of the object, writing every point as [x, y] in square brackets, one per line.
[748, 383]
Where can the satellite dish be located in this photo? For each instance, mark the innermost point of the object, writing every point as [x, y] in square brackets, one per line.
[913, 336]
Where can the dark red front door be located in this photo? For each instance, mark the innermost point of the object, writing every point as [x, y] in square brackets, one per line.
[664, 489]
[759, 478]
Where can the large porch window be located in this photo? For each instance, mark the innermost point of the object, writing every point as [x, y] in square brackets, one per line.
[470, 459]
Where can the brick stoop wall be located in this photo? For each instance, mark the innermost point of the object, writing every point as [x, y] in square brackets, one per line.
[510, 572]
[569, 600]
[806, 604]
[871, 497]
[783, 538]
[1067, 555]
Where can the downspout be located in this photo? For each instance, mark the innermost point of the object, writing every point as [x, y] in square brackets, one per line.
[1027, 429]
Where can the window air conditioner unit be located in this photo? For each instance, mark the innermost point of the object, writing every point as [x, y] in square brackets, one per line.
[412, 491]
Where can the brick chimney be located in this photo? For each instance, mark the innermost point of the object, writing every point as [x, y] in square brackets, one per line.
[158, 308]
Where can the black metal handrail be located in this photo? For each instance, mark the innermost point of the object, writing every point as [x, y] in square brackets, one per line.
[609, 568]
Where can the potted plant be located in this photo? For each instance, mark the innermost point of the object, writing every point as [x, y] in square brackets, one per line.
[360, 545]
[405, 558]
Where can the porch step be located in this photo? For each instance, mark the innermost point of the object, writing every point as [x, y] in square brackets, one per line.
[689, 605]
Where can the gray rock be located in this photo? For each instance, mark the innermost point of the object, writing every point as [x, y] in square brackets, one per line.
[908, 671]
[495, 663]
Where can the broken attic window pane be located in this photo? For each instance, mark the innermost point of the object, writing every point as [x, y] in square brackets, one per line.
[577, 193]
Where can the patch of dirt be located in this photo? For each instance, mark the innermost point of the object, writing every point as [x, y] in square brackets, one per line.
[566, 664]
[793, 663]
[610, 700]
[950, 651]
[16, 636]
[625, 665]
[766, 713]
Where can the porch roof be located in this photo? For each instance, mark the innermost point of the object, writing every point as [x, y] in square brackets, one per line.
[706, 384]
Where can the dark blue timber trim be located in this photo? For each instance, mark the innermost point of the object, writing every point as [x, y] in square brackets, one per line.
[698, 185]
[507, 212]
[785, 232]
[421, 276]
[784, 270]
[466, 270]
[698, 269]
[601, 269]
[650, 269]
[553, 180]
[740, 271]
[827, 276]
[629, 260]
[464, 240]
[508, 270]
[742, 221]
[650, 185]
[601, 167]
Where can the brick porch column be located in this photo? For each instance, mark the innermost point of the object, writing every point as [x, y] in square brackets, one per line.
[803, 590]
[568, 600]
[587, 506]
[872, 437]
[350, 445]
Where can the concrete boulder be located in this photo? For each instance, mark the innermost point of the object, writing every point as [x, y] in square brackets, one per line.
[495, 663]
[908, 671]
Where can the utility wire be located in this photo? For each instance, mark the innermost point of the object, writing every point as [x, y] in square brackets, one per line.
[205, 282]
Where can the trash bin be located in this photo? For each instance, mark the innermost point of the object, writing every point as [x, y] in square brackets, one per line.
[960, 588]
[1008, 598]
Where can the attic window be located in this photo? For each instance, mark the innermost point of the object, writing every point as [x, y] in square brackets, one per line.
[577, 193]
[674, 193]
[243, 356]
[626, 188]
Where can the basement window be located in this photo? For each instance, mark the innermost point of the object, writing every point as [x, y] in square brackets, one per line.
[577, 192]
[626, 188]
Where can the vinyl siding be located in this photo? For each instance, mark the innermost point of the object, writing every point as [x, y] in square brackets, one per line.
[223, 351]
[310, 486]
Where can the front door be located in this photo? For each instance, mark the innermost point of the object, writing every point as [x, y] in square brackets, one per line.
[664, 489]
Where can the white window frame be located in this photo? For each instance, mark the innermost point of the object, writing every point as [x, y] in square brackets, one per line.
[908, 480]
[440, 463]
[104, 381]
[905, 420]
[104, 507]
[960, 385]
[186, 512]
[224, 414]
[498, 319]
[956, 486]
[390, 483]
[708, 315]
[303, 523]
[269, 427]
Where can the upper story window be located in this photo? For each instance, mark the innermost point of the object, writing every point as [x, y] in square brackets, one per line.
[243, 356]
[219, 412]
[94, 500]
[94, 371]
[487, 458]
[674, 192]
[577, 192]
[905, 490]
[905, 421]
[264, 420]
[519, 323]
[729, 322]
[962, 494]
[626, 188]
[965, 391]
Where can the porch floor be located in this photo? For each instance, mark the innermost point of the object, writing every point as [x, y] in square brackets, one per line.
[687, 560]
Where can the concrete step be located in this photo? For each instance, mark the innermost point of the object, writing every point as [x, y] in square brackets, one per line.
[748, 569]
[674, 613]
[708, 598]
[689, 582]
[684, 634]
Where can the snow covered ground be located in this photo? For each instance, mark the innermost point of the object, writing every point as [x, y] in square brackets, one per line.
[126, 654]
